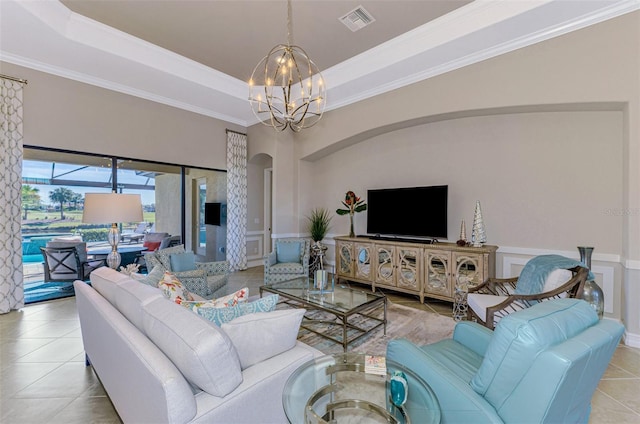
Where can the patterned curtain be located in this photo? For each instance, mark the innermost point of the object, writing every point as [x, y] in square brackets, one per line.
[11, 278]
[236, 200]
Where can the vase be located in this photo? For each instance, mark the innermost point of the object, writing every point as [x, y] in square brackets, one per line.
[592, 293]
[351, 232]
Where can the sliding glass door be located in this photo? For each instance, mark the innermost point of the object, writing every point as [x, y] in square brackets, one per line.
[55, 182]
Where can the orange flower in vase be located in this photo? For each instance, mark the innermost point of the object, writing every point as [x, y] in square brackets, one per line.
[353, 204]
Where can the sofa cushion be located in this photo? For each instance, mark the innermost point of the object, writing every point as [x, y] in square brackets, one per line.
[479, 303]
[521, 336]
[131, 296]
[214, 282]
[286, 268]
[262, 335]
[105, 280]
[195, 281]
[221, 315]
[202, 352]
[182, 261]
[173, 289]
[288, 252]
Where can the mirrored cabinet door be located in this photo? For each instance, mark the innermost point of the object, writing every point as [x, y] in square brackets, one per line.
[437, 273]
[408, 268]
[384, 264]
[468, 270]
[345, 260]
[363, 260]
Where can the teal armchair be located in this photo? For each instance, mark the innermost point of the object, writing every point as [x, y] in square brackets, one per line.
[206, 279]
[540, 365]
[289, 259]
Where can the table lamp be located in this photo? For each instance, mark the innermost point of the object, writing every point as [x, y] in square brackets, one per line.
[105, 208]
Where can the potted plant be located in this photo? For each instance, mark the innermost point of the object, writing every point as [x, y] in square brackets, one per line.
[319, 224]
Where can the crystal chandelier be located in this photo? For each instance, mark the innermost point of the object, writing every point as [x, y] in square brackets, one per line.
[286, 88]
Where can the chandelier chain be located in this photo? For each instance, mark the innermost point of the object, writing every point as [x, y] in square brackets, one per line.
[289, 24]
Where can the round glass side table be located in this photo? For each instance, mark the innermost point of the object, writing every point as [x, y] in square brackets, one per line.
[336, 389]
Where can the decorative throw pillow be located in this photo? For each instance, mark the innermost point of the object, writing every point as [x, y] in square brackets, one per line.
[151, 279]
[222, 302]
[163, 255]
[173, 289]
[221, 315]
[202, 352]
[288, 252]
[182, 261]
[263, 335]
[151, 245]
[557, 278]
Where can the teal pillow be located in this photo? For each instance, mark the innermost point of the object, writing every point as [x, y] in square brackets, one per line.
[220, 316]
[182, 261]
[288, 252]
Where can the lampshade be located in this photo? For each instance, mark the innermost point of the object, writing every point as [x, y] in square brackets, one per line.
[107, 208]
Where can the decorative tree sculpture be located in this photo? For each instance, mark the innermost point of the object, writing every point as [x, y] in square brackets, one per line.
[478, 235]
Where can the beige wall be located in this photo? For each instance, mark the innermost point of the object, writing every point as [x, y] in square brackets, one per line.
[65, 114]
[547, 137]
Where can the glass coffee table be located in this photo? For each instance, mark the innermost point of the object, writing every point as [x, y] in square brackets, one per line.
[336, 389]
[340, 305]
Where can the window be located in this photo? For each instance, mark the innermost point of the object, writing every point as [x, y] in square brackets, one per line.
[55, 182]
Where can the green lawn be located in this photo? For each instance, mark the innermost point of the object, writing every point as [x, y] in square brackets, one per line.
[50, 222]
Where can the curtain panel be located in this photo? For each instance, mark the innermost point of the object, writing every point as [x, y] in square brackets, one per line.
[11, 274]
[236, 200]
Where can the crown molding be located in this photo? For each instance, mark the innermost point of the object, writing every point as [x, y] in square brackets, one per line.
[419, 54]
[368, 63]
[120, 88]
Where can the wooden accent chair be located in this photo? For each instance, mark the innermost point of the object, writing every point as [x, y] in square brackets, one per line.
[496, 298]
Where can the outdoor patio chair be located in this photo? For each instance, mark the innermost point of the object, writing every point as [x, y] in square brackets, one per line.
[136, 235]
[66, 263]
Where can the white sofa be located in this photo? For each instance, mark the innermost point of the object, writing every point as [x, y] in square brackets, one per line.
[130, 332]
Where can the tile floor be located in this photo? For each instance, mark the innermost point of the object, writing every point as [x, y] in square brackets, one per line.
[43, 378]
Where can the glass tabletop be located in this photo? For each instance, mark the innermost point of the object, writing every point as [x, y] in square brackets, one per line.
[341, 299]
[336, 387]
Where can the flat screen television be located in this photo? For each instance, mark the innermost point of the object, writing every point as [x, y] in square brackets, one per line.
[215, 213]
[408, 211]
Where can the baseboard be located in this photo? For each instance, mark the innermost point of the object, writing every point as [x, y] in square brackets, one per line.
[631, 339]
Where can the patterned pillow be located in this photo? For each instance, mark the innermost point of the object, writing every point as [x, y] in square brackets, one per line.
[173, 289]
[220, 316]
[151, 279]
[232, 299]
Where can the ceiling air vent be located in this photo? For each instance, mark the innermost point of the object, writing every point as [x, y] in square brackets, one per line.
[357, 19]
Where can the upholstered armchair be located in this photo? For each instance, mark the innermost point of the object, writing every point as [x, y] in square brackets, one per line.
[540, 365]
[543, 278]
[289, 259]
[206, 279]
